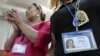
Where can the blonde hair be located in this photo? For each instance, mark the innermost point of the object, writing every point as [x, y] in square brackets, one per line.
[54, 4]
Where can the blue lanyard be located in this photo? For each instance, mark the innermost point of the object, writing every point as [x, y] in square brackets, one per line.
[75, 18]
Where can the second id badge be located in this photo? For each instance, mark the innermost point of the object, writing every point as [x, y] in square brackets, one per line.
[19, 48]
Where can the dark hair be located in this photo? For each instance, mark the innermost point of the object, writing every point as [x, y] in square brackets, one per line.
[38, 7]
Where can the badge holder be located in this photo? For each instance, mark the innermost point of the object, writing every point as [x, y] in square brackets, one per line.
[19, 48]
[78, 41]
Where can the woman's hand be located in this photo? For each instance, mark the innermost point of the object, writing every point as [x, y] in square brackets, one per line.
[9, 17]
[15, 16]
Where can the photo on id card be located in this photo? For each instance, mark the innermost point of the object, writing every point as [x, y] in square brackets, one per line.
[78, 41]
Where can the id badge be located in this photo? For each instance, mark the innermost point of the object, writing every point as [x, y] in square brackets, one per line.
[19, 48]
[78, 41]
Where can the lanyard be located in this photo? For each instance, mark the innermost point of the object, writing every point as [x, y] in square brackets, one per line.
[75, 18]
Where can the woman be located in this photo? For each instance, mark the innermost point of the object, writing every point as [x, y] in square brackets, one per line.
[28, 40]
[70, 44]
[62, 21]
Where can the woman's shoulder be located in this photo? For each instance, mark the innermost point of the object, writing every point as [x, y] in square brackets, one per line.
[64, 7]
[46, 23]
[45, 26]
[58, 12]
[63, 10]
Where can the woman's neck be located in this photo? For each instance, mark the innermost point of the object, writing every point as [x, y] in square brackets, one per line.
[37, 20]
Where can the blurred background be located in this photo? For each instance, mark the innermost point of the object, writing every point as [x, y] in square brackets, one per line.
[92, 8]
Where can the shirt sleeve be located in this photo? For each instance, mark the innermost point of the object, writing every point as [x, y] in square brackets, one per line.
[44, 36]
[53, 24]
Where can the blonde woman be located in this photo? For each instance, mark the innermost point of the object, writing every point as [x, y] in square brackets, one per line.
[62, 21]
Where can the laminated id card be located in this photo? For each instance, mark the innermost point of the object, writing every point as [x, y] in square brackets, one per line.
[19, 48]
[78, 41]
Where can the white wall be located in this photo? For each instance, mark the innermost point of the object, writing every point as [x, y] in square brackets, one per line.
[5, 31]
